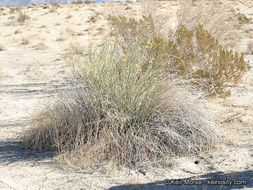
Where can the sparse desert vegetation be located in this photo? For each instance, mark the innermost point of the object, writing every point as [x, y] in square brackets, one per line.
[243, 19]
[94, 17]
[22, 17]
[77, 2]
[194, 54]
[132, 92]
[40, 46]
[123, 104]
[25, 40]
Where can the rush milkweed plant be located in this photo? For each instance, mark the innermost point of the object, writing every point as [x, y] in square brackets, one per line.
[120, 109]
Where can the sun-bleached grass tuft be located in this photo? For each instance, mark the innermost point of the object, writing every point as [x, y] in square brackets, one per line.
[119, 110]
[94, 17]
[40, 46]
[25, 40]
[243, 19]
[22, 17]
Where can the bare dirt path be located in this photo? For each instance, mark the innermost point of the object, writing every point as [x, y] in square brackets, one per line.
[28, 77]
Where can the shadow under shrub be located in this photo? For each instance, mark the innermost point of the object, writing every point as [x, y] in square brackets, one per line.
[120, 111]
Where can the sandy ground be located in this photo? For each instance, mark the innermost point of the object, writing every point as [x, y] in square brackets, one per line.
[32, 67]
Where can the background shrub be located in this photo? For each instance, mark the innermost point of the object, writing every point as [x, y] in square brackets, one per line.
[194, 54]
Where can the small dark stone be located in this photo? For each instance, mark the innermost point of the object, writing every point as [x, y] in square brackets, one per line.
[196, 162]
[142, 172]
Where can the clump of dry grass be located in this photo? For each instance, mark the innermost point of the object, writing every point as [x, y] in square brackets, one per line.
[94, 17]
[25, 40]
[14, 9]
[243, 19]
[119, 110]
[11, 17]
[40, 46]
[22, 17]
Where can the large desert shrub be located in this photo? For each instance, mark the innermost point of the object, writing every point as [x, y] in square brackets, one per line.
[120, 110]
[192, 54]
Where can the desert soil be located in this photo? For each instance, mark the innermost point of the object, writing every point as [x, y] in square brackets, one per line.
[32, 67]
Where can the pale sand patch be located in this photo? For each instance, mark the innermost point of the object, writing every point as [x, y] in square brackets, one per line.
[29, 76]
